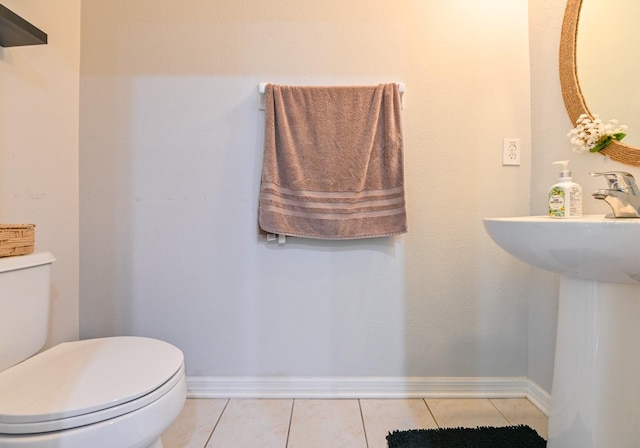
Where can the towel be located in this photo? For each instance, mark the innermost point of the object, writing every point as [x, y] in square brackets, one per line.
[333, 162]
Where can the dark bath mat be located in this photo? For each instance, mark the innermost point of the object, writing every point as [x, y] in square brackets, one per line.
[483, 437]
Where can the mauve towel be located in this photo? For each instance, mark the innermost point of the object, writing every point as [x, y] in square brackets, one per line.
[333, 163]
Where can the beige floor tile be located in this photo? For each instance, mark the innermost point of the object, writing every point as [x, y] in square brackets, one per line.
[194, 425]
[253, 423]
[326, 423]
[383, 416]
[466, 413]
[522, 412]
[334, 423]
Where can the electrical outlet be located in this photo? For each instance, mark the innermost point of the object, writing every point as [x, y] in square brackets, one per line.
[511, 151]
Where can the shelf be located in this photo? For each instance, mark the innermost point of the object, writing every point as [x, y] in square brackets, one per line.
[15, 31]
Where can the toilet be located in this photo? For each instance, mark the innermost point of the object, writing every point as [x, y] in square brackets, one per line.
[116, 392]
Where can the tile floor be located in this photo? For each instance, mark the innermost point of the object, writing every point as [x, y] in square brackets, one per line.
[349, 423]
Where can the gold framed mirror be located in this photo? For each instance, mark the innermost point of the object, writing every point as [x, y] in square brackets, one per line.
[571, 93]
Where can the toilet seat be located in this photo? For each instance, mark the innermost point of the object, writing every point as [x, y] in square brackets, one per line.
[80, 383]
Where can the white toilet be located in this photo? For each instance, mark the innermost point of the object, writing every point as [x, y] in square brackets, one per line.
[119, 392]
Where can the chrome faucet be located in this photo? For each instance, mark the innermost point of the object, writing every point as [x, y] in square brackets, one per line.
[623, 195]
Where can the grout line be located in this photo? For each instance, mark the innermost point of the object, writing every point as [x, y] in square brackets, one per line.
[431, 412]
[501, 413]
[217, 422]
[293, 402]
[364, 427]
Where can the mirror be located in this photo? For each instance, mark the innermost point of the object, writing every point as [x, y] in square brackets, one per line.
[604, 71]
[607, 63]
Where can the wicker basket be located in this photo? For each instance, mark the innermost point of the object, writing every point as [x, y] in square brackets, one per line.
[17, 239]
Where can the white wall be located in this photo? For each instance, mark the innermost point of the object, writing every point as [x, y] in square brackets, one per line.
[39, 89]
[170, 160]
[170, 164]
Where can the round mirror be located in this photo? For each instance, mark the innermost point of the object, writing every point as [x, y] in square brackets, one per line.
[590, 68]
[607, 62]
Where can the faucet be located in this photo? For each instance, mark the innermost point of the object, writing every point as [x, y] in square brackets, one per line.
[622, 195]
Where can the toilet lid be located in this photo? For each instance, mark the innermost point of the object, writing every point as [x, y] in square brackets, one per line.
[76, 378]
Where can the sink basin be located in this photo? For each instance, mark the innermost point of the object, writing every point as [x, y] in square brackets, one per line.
[591, 247]
[595, 396]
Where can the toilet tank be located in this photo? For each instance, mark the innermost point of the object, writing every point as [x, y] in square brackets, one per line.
[25, 285]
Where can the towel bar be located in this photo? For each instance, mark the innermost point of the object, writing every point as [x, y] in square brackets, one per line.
[263, 85]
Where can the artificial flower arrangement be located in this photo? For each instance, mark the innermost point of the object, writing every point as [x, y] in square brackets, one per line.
[591, 134]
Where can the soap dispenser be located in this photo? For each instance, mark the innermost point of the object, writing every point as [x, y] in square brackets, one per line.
[565, 197]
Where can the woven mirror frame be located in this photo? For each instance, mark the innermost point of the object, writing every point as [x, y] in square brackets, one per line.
[571, 93]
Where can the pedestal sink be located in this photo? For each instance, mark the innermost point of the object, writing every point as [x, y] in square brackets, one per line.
[595, 397]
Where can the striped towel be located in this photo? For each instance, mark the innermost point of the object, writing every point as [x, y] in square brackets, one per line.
[333, 165]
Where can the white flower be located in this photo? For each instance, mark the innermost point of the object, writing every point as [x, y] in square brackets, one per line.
[591, 134]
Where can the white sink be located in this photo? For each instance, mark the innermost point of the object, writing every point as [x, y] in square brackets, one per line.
[591, 247]
[595, 398]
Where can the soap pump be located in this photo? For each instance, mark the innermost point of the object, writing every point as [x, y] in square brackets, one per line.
[565, 197]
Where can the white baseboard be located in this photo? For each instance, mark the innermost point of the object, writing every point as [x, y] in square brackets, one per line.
[366, 387]
[539, 397]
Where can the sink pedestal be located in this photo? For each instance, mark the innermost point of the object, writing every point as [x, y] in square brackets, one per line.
[595, 398]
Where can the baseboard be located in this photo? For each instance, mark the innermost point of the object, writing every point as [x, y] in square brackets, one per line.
[539, 397]
[366, 387]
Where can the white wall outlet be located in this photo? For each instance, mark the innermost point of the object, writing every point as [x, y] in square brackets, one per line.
[511, 151]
